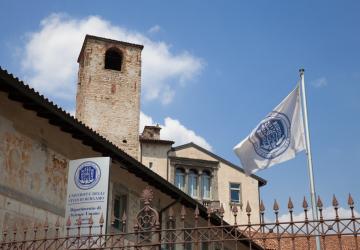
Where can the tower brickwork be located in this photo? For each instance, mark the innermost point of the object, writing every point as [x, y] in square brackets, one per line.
[108, 92]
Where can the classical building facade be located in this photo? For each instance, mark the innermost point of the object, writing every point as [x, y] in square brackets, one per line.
[205, 176]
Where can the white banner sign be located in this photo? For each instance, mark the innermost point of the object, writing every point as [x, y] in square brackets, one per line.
[87, 193]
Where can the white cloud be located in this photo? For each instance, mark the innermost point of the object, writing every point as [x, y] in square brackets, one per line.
[154, 29]
[328, 213]
[145, 120]
[49, 61]
[173, 130]
[320, 82]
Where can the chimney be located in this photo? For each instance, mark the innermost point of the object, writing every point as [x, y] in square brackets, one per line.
[151, 132]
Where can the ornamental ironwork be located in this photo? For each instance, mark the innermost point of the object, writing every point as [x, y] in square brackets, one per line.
[208, 230]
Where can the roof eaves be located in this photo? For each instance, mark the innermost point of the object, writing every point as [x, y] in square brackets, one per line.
[158, 141]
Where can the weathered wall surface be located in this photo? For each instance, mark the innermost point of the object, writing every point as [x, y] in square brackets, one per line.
[30, 169]
[107, 100]
[192, 153]
[157, 154]
[249, 192]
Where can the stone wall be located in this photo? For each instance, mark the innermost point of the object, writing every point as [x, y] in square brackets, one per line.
[108, 100]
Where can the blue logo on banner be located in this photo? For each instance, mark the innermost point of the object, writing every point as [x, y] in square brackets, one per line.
[272, 137]
[87, 175]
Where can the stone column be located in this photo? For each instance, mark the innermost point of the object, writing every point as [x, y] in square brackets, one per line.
[186, 186]
[200, 172]
[214, 185]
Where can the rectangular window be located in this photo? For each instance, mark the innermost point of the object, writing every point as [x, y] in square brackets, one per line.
[120, 206]
[206, 187]
[180, 180]
[193, 185]
[235, 193]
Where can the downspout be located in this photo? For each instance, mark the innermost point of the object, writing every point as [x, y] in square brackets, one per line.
[141, 149]
[167, 163]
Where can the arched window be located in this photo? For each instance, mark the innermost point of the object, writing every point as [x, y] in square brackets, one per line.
[113, 59]
[180, 178]
[193, 183]
[206, 185]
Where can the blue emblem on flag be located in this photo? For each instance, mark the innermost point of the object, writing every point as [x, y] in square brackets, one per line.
[87, 175]
[272, 137]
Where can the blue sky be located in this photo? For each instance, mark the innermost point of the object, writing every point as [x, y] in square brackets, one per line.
[213, 71]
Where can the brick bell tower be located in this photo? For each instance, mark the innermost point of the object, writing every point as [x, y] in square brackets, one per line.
[108, 92]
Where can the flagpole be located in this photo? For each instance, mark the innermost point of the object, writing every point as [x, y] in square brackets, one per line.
[309, 155]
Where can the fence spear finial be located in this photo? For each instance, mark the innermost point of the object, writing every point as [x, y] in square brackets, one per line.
[91, 220]
[290, 204]
[319, 203]
[248, 207]
[5, 229]
[57, 223]
[350, 201]
[24, 226]
[112, 220]
[209, 211]
[305, 204]
[68, 222]
[124, 217]
[221, 210]
[335, 203]
[196, 213]
[262, 207]
[171, 213]
[183, 212]
[46, 223]
[101, 221]
[79, 220]
[276, 206]
[234, 209]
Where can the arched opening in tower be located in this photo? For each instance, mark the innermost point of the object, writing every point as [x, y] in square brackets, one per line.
[113, 59]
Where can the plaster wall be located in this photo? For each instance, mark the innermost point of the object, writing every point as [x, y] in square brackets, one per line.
[249, 193]
[157, 155]
[193, 153]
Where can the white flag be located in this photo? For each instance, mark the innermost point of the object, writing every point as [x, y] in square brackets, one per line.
[277, 138]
